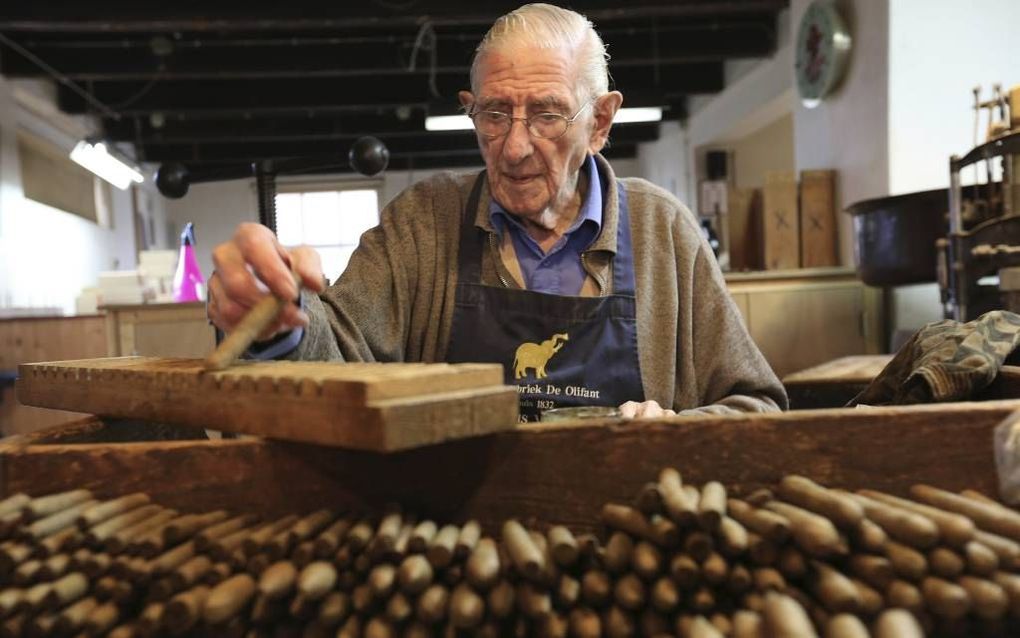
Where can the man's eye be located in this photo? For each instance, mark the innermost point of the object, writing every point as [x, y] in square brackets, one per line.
[546, 118]
[493, 116]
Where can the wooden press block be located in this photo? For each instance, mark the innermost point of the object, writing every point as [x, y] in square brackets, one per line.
[818, 219]
[744, 218]
[368, 406]
[780, 223]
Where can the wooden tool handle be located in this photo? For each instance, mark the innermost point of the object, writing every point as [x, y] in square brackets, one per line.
[247, 330]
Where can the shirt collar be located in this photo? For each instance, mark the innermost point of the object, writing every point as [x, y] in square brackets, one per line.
[591, 207]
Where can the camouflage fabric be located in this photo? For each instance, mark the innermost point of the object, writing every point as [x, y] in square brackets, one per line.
[945, 361]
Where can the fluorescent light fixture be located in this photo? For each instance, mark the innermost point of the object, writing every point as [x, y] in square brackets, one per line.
[98, 159]
[448, 123]
[463, 122]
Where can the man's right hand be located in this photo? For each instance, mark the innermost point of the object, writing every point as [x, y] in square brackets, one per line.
[254, 264]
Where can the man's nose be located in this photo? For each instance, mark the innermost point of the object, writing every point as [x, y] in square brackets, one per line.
[517, 144]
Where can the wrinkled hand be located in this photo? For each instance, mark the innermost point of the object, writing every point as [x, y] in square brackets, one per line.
[645, 410]
[252, 265]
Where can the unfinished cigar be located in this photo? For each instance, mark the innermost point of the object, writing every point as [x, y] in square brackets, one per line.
[14, 504]
[747, 624]
[954, 529]
[646, 560]
[711, 505]
[981, 560]
[258, 539]
[563, 546]
[526, 557]
[106, 510]
[72, 618]
[846, 626]
[784, 616]
[874, 570]
[768, 579]
[64, 540]
[466, 608]
[635, 523]
[761, 551]
[184, 527]
[945, 563]
[834, 590]
[98, 534]
[533, 602]
[676, 502]
[316, 580]
[629, 592]
[329, 540]
[792, 562]
[44, 506]
[618, 622]
[685, 571]
[382, 580]
[989, 600]
[228, 598]
[906, 561]
[431, 606]
[813, 533]
[66, 590]
[714, 569]
[415, 574]
[992, 518]
[184, 610]
[900, 523]
[869, 537]
[619, 549]
[122, 539]
[482, 568]
[945, 599]
[765, 523]
[836, 506]
[54, 566]
[57, 521]
[102, 619]
[739, 579]
[872, 600]
[596, 588]
[467, 539]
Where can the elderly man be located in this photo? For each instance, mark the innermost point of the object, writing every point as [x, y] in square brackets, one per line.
[588, 289]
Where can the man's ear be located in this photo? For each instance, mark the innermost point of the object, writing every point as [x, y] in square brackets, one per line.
[466, 98]
[604, 109]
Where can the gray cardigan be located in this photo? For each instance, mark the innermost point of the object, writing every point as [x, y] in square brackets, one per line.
[395, 301]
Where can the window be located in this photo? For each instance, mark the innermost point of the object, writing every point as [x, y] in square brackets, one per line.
[331, 221]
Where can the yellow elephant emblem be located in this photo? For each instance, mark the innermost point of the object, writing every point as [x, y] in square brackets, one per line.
[536, 355]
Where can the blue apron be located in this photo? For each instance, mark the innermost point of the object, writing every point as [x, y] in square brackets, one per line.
[560, 351]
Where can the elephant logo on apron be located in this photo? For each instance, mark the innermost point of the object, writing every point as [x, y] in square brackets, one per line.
[537, 355]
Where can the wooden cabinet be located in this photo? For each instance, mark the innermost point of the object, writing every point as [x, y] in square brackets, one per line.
[803, 318]
[159, 330]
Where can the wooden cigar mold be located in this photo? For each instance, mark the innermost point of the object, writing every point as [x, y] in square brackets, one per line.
[802, 560]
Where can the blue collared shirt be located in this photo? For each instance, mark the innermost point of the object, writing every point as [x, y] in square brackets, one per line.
[558, 272]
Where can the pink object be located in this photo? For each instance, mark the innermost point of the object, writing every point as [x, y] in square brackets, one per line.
[189, 285]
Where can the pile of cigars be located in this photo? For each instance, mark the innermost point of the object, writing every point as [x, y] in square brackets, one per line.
[688, 561]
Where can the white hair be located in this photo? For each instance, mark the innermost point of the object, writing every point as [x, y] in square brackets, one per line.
[549, 27]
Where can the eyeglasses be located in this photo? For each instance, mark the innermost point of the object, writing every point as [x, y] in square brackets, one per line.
[549, 126]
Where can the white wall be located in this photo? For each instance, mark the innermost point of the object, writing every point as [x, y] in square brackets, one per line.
[664, 162]
[47, 255]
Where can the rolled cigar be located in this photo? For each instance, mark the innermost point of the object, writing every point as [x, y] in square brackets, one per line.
[747, 624]
[13, 554]
[301, 608]
[699, 627]
[316, 580]
[66, 590]
[224, 547]
[526, 557]
[102, 619]
[379, 627]
[945, 563]
[563, 546]
[257, 563]
[218, 573]
[676, 503]
[900, 593]
[784, 616]
[168, 561]
[649, 499]
[123, 593]
[1007, 550]
[617, 623]
[762, 551]
[328, 541]
[714, 569]
[398, 608]
[57, 521]
[104, 587]
[945, 599]
[981, 561]
[834, 590]
[382, 580]
[567, 592]
[360, 535]
[872, 600]
[897, 623]
[278, 580]
[739, 580]
[874, 570]
[685, 571]
[32, 600]
[106, 510]
[596, 588]
[184, 610]
[228, 598]
[664, 595]
[754, 601]
[43, 506]
[15, 503]
[646, 561]
[765, 523]
[846, 626]
[869, 536]
[205, 526]
[64, 540]
[54, 566]
[27, 572]
[98, 534]
[42, 625]
[265, 611]
[629, 592]
[467, 539]
[978, 496]
[834, 505]
[954, 529]
[732, 537]
[122, 539]
[703, 600]
[72, 618]
[1010, 583]
[768, 579]
[988, 600]
[190, 573]
[466, 607]
[900, 523]
[440, 550]
[698, 544]
[630, 520]
[531, 601]
[387, 532]
[350, 629]
[151, 619]
[430, 607]
[992, 518]
[814, 534]
[906, 561]
[335, 608]
[711, 505]
[482, 569]
[258, 539]
[792, 562]
[415, 573]
[584, 623]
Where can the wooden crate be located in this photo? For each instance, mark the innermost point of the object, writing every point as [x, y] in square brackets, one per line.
[780, 221]
[542, 474]
[818, 246]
